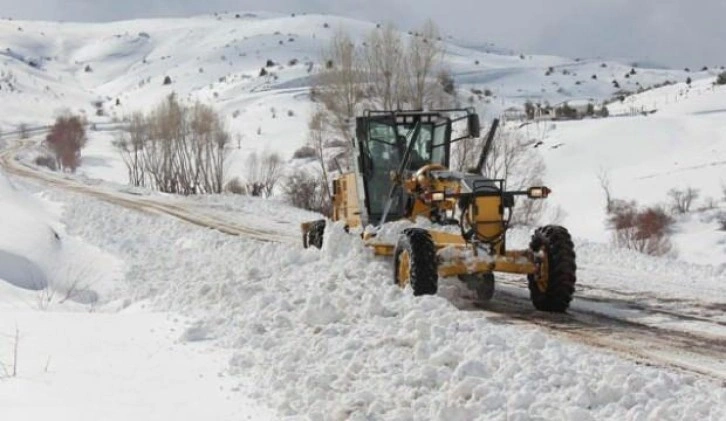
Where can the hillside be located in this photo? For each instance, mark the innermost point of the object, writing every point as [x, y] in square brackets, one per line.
[681, 145]
[49, 66]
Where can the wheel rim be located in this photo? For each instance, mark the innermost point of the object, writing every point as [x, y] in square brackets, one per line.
[404, 269]
[543, 274]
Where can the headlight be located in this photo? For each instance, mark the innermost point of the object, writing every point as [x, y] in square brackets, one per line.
[538, 192]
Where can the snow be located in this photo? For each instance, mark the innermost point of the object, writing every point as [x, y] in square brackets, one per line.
[114, 366]
[84, 351]
[326, 335]
[272, 331]
[220, 65]
[36, 254]
[682, 145]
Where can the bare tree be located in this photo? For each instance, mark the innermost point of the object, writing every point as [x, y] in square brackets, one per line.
[66, 139]
[263, 173]
[465, 153]
[604, 179]
[130, 144]
[305, 191]
[384, 65]
[423, 55]
[340, 84]
[176, 148]
[681, 200]
[316, 139]
[271, 168]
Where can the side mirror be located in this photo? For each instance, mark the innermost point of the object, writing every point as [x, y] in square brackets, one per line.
[474, 126]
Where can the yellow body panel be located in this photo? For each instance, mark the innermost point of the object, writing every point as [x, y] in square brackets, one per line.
[487, 216]
[346, 205]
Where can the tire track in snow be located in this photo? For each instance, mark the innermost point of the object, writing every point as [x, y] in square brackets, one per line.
[600, 324]
[139, 203]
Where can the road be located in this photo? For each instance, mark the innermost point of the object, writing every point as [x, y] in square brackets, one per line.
[683, 335]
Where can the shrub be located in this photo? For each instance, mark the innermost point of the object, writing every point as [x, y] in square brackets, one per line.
[88, 68]
[235, 186]
[681, 200]
[447, 82]
[644, 230]
[66, 139]
[263, 72]
[565, 111]
[167, 80]
[305, 152]
[721, 78]
[269, 63]
[306, 191]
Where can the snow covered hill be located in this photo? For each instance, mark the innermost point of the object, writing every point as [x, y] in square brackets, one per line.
[682, 145]
[48, 66]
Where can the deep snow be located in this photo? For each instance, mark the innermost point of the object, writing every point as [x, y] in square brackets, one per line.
[322, 334]
[325, 333]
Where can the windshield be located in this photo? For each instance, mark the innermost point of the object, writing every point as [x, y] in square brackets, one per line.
[383, 146]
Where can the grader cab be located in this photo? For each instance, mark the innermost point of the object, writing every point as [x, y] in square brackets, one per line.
[402, 173]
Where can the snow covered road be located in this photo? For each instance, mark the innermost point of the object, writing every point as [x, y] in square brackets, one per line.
[325, 334]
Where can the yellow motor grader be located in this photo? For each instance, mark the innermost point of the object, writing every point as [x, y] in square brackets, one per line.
[401, 173]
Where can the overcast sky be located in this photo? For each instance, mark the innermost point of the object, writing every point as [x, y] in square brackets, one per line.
[672, 32]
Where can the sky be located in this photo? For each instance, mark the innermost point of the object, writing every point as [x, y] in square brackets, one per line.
[675, 33]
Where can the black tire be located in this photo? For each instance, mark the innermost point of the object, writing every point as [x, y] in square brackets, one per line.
[482, 284]
[423, 270]
[314, 234]
[559, 252]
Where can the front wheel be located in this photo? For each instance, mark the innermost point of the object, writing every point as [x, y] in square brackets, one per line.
[553, 285]
[415, 262]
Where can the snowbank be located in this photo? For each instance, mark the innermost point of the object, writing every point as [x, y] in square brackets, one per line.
[36, 254]
[325, 334]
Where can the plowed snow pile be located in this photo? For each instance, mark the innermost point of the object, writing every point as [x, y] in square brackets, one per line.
[325, 336]
[36, 254]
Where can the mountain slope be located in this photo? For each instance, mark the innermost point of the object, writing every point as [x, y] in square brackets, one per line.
[48, 66]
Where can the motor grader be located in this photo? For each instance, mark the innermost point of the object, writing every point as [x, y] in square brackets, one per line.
[401, 172]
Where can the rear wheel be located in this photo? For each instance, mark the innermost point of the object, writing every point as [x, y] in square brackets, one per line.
[314, 234]
[482, 284]
[415, 262]
[552, 286]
